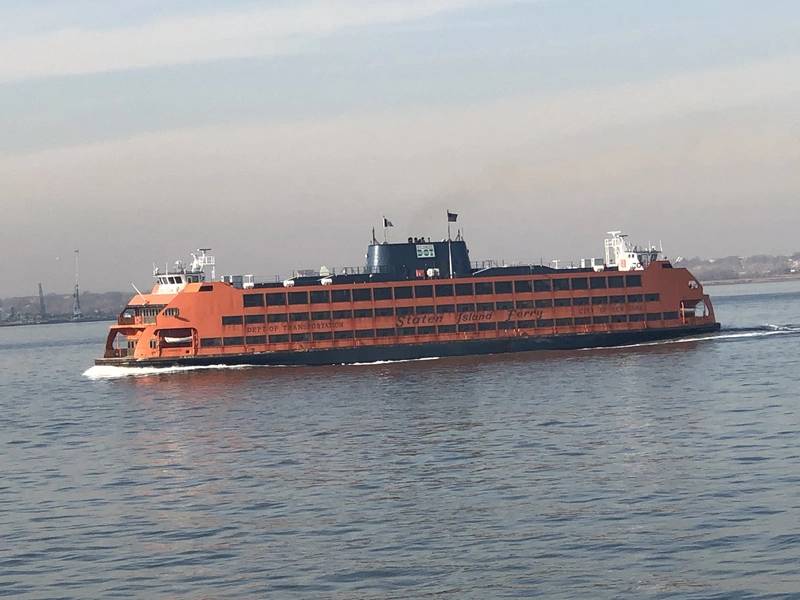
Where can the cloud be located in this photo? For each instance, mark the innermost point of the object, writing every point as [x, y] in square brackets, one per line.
[188, 39]
[707, 160]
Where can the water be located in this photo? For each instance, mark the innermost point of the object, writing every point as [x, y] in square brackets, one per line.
[658, 471]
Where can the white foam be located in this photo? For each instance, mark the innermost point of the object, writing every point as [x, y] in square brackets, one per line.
[111, 372]
[388, 362]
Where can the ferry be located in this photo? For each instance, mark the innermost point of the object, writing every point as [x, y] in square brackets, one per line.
[414, 299]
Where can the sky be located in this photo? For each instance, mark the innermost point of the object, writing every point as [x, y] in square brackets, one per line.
[279, 133]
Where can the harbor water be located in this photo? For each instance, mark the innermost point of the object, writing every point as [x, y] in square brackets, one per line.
[665, 470]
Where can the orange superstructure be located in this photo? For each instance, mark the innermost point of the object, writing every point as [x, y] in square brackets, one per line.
[380, 315]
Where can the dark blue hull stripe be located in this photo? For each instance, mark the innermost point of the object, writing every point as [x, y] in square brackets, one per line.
[366, 354]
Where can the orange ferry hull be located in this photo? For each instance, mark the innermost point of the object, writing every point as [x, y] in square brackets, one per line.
[317, 320]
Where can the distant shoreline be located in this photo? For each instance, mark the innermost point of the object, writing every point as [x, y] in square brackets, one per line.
[771, 279]
[55, 322]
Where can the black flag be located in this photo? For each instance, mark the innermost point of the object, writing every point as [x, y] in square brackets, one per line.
[387, 223]
[451, 217]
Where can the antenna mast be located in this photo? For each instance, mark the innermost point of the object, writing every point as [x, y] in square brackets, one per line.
[76, 297]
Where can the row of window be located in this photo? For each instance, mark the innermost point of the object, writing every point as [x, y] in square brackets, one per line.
[440, 329]
[360, 313]
[442, 290]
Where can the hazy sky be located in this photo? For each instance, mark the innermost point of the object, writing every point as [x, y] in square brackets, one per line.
[278, 133]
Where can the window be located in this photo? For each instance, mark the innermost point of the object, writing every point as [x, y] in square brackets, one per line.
[467, 327]
[231, 320]
[298, 297]
[253, 300]
[233, 341]
[508, 305]
[278, 339]
[170, 312]
[321, 336]
[256, 339]
[404, 310]
[634, 297]
[483, 288]
[206, 288]
[407, 331]
[543, 285]
[523, 285]
[343, 314]
[277, 318]
[547, 303]
[445, 308]
[562, 302]
[524, 303]
[653, 316]
[423, 291]
[561, 285]
[210, 342]
[599, 320]
[526, 324]
[361, 295]
[487, 326]
[619, 318]
[321, 315]
[633, 280]
[465, 307]
[384, 312]
[343, 335]
[616, 281]
[401, 293]
[387, 332]
[447, 328]
[464, 289]
[276, 299]
[340, 295]
[444, 290]
[365, 333]
[563, 322]
[298, 316]
[597, 283]
[301, 337]
[616, 299]
[485, 306]
[320, 297]
[544, 323]
[253, 319]
[580, 283]
[582, 320]
[383, 293]
[652, 297]
[670, 316]
[426, 330]
[502, 287]
[506, 325]
[424, 310]
[635, 318]
[580, 301]
[363, 313]
[600, 300]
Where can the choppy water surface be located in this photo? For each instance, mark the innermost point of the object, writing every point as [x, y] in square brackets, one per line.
[667, 470]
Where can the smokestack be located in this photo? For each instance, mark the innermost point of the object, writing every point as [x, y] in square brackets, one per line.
[42, 308]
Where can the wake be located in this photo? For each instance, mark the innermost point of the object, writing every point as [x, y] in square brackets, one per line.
[728, 333]
[99, 372]
[111, 372]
